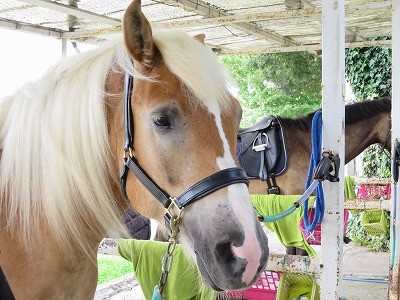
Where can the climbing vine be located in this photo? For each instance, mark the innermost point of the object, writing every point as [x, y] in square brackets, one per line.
[369, 72]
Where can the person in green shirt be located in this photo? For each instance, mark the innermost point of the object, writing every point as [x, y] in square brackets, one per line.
[184, 281]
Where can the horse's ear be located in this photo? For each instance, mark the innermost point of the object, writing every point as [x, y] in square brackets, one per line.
[200, 37]
[137, 34]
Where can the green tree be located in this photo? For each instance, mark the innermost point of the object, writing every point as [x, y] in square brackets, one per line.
[284, 84]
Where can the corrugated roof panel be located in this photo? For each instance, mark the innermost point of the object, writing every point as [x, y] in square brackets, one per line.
[238, 4]
[36, 16]
[295, 26]
[162, 12]
[11, 5]
[104, 7]
[257, 9]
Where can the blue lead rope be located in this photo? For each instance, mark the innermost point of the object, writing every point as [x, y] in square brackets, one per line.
[316, 142]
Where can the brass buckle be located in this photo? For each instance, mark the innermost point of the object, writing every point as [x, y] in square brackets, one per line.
[174, 219]
[128, 153]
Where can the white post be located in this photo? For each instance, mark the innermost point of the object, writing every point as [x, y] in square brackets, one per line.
[394, 284]
[333, 85]
[63, 47]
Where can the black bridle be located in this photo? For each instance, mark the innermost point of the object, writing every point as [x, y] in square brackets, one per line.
[197, 191]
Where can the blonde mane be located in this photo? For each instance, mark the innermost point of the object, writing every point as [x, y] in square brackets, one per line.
[55, 164]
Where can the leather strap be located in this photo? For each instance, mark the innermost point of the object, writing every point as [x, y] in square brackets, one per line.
[130, 163]
[128, 125]
[211, 184]
[197, 191]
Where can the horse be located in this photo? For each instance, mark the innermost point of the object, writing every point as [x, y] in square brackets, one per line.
[62, 143]
[366, 123]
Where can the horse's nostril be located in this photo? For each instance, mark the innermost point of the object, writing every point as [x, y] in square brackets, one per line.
[225, 252]
[236, 265]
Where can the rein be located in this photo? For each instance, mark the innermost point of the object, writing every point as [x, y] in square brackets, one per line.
[172, 204]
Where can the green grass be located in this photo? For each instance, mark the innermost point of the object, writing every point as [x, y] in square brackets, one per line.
[111, 267]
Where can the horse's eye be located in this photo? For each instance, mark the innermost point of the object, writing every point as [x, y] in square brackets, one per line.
[162, 121]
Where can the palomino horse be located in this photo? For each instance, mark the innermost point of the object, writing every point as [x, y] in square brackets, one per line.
[62, 141]
[367, 123]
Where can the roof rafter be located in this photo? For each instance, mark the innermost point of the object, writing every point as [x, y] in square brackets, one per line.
[25, 27]
[313, 47]
[74, 11]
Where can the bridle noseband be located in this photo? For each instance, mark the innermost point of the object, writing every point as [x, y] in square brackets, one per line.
[197, 191]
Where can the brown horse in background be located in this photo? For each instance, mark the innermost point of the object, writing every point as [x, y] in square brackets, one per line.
[367, 123]
[62, 143]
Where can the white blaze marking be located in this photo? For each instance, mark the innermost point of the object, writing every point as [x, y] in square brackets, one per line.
[240, 201]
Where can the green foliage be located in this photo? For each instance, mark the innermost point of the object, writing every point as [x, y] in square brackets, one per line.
[111, 267]
[357, 233]
[284, 84]
[376, 162]
[369, 71]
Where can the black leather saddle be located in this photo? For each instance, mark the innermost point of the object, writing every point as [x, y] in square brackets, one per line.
[262, 151]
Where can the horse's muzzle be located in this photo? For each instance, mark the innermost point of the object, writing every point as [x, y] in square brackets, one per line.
[221, 268]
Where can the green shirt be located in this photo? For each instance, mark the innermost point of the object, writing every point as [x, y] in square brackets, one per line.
[286, 229]
[184, 280]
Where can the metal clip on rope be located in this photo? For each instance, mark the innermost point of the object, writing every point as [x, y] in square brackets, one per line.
[327, 169]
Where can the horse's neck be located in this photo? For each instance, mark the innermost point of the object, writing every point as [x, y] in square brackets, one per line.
[358, 136]
[298, 146]
[298, 141]
[362, 134]
[44, 271]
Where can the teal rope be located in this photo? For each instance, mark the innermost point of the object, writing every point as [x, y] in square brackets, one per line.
[280, 215]
[291, 209]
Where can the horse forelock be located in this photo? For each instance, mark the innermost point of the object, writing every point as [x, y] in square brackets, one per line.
[55, 152]
[197, 67]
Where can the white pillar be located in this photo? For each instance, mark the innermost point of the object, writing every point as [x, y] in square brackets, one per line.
[63, 48]
[333, 85]
[394, 284]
